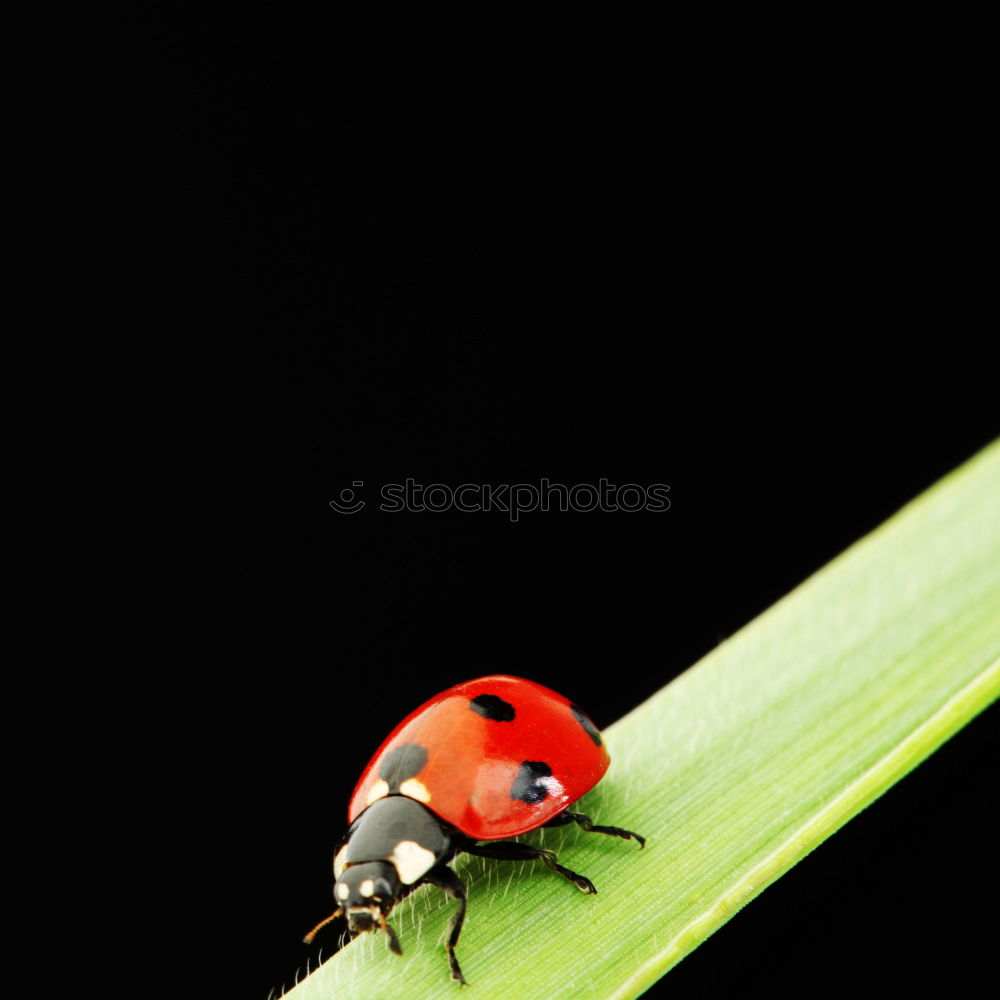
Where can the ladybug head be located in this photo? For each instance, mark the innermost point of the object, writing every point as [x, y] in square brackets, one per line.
[366, 893]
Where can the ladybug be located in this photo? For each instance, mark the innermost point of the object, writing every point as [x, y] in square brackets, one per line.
[481, 762]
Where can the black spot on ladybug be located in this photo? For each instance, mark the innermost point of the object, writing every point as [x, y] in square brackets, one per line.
[489, 706]
[400, 763]
[529, 785]
[588, 727]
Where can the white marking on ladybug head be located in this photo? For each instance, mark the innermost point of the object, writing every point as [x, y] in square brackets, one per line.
[415, 789]
[367, 888]
[340, 862]
[411, 861]
[342, 892]
[553, 785]
[378, 791]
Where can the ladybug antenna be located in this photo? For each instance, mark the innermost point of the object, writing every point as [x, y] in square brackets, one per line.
[393, 940]
[308, 939]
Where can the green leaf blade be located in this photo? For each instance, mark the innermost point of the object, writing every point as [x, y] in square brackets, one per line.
[736, 770]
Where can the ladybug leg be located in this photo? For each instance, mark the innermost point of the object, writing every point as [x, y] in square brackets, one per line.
[508, 850]
[446, 880]
[565, 818]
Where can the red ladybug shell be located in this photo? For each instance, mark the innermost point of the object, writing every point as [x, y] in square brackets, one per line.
[494, 757]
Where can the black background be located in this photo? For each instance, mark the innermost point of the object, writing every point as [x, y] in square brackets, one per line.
[759, 294]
